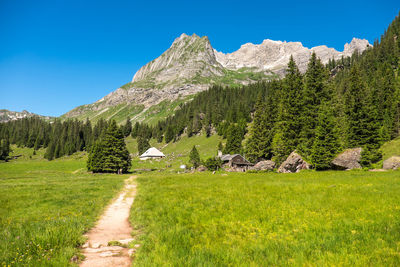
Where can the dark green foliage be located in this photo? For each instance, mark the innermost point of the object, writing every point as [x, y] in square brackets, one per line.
[289, 122]
[213, 164]
[4, 149]
[169, 134]
[235, 136]
[315, 92]
[110, 154]
[194, 157]
[143, 144]
[261, 133]
[326, 143]
[127, 128]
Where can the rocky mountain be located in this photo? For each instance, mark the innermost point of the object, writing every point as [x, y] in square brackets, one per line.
[191, 65]
[6, 115]
[274, 55]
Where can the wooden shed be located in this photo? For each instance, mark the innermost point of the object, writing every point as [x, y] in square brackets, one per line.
[236, 162]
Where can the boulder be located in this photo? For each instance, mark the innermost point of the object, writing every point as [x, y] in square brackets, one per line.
[348, 159]
[265, 165]
[201, 168]
[392, 163]
[293, 163]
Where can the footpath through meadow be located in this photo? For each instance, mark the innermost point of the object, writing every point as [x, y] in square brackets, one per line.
[107, 243]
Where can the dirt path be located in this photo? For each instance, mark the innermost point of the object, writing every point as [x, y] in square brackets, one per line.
[112, 226]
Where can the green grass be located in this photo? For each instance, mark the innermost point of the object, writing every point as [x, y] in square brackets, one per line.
[177, 153]
[311, 218]
[391, 148]
[45, 207]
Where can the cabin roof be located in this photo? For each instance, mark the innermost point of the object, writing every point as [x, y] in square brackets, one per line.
[152, 152]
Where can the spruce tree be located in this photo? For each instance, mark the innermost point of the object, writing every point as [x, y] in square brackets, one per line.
[169, 134]
[194, 157]
[315, 92]
[326, 143]
[110, 154]
[127, 128]
[234, 140]
[289, 122]
[143, 144]
[259, 142]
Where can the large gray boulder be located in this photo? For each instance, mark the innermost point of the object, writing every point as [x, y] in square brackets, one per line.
[294, 163]
[392, 163]
[348, 159]
[265, 165]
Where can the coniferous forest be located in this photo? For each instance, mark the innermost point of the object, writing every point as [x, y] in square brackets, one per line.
[347, 103]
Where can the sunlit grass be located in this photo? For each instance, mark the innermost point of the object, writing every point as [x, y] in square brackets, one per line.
[310, 218]
[45, 207]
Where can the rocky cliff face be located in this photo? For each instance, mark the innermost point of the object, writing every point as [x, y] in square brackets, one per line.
[187, 58]
[191, 65]
[274, 55]
[7, 115]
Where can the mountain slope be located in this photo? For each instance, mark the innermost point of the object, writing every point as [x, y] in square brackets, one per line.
[7, 115]
[274, 55]
[191, 65]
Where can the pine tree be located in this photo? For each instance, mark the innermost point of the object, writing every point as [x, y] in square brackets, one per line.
[127, 128]
[289, 122]
[169, 134]
[234, 140]
[110, 154]
[326, 143]
[143, 144]
[194, 157]
[4, 149]
[314, 94]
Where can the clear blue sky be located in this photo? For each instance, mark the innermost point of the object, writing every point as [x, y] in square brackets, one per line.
[56, 55]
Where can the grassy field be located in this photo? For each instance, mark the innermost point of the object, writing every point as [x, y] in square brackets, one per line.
[177, 153]
[311, 218]
[45, 207]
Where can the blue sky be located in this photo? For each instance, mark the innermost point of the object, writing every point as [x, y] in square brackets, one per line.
[56, 55]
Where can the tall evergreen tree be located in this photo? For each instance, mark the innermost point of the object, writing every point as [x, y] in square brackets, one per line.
[114, 155]
[315, 92]
[289, 123]
[326, 143]
[234, 140]
[194, 157]
[143, 144]
[127, 128]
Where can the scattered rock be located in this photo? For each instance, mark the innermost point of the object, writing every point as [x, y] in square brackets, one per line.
[265, 165]
[293, 163]
[348, 159]
[392, 163]
[201, 168]
[74, 259]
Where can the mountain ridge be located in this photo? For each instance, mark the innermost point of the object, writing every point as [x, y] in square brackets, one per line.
[190, 65]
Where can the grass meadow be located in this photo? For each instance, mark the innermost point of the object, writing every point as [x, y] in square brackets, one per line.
[45, 207]
[311, 218]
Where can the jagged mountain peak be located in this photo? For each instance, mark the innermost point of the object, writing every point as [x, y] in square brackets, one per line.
[187, 57]
[274, 55]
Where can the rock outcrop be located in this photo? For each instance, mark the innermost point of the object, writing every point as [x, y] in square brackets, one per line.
[392, 163]
[274, 55]
[191, 65]
[293, 163]
[7, 115]
[348, 159]
[265, 165]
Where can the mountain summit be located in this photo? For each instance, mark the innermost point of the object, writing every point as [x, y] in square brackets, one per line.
[191, 65]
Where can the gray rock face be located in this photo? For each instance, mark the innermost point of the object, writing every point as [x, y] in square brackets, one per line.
[265, 165]
[274, 55]
[7, 115]
[348, 159]
[191, 65]
[392, 163]
[293, 163]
